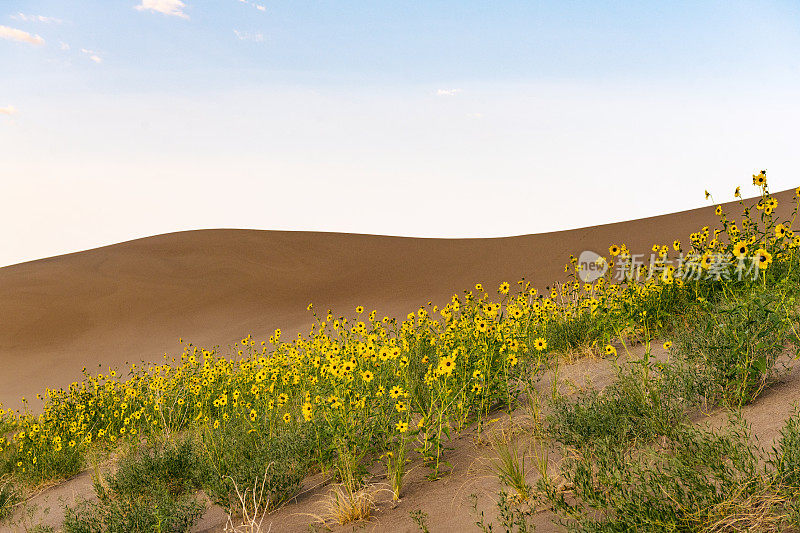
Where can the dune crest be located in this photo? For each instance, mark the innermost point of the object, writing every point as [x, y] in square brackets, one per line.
[130, 302]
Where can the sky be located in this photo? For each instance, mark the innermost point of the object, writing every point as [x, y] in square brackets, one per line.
[121, 119]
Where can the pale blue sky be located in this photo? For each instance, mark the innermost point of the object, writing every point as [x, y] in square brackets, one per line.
[126, 118]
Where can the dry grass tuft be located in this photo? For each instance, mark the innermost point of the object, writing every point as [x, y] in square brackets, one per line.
[250, 522]
[344, 505]
[584, 351]
[763, 511]
[9, 497]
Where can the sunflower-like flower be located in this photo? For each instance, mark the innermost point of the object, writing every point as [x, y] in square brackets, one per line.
[446, 365]
[762, 258]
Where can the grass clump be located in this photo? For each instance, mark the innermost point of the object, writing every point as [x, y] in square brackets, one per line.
[344, 505]
[253, 507]
[510, 467]
[155, 511]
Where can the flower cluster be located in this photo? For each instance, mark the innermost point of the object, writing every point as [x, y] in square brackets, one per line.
[372, 384]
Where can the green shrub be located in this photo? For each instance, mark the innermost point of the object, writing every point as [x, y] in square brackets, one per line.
[677, 483]
[152, 490]
[154, 511]
[637, 406]
[565, 335]
[176, 467]
[735, 343]
[240, 459]
[786, 455]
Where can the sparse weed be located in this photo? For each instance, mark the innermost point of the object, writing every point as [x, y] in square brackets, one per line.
[421, 519]
[694, 479]
[785, 459]
[29, 519]
[514, 515]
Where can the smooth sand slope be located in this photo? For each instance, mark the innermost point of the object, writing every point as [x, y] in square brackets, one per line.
[131, 301]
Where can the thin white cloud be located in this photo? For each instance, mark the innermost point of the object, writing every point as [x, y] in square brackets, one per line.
[248, 36]
[167, 7]
[260, 7]
[94, 56]
[447, 92]
[36, 18]
[63, 45]
[13, 34]
[8, 110]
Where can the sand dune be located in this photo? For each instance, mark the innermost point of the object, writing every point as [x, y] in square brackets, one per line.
[131, 301]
